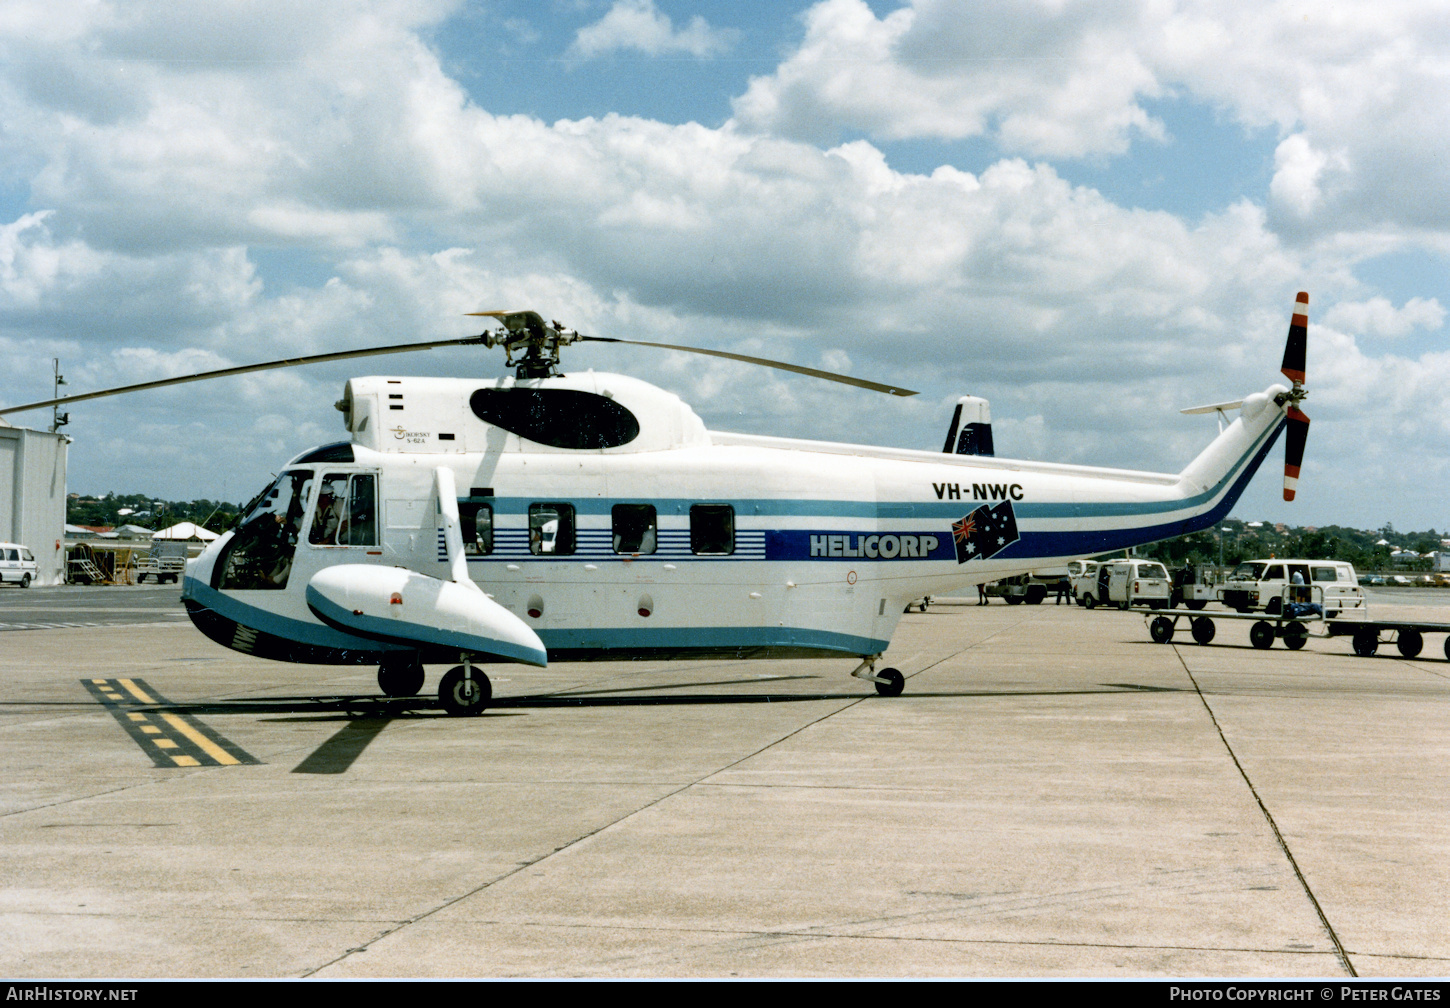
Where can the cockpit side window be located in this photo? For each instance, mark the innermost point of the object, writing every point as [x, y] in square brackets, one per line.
[346, 511]
[259, 557]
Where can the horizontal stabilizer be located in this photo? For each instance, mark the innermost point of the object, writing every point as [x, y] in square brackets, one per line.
[1214, 407]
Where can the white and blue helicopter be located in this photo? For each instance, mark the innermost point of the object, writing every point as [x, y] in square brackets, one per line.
[588, 516]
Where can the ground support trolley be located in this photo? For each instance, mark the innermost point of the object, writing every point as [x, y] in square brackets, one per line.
[1367, 635]
[1295, 634]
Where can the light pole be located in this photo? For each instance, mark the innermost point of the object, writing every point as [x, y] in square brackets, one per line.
[57, 418]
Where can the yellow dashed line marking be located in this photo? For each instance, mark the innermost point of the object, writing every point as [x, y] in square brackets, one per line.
[169, 737]
[203, 743]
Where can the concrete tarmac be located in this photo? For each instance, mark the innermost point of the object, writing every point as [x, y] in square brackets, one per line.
[1053, 795]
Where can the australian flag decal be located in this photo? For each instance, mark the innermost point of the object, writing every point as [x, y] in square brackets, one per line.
[985, 532]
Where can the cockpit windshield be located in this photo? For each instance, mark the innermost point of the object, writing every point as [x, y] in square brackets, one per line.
[260, 553]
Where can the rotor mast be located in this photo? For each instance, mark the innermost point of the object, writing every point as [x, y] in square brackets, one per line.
[536, 342]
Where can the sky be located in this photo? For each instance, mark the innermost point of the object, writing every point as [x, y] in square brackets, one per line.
[1092, 213]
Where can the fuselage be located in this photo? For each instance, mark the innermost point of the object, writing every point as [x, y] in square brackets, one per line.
[600, 511]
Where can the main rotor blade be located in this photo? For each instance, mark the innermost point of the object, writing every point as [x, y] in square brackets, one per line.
[247, 369]
[1294, 440]
[780, 365]
[1294, 346]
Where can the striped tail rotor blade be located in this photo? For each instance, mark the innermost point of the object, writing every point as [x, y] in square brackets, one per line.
[1293, 366]
[1295, 437]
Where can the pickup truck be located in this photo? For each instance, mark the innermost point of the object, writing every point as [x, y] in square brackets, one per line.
[166, 562]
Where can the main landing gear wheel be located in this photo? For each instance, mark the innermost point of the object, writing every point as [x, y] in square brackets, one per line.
[1295, 636]
[1410, 642]
[1261, 634]
[466, 697]
[1203, 629]
[400, 680]
[1366, 643]
[896, 682]
[1161, 629]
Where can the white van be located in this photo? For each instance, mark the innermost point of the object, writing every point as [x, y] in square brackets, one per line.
[1082, 575]
[1260, 584]
[1127, 583]
[17, 564]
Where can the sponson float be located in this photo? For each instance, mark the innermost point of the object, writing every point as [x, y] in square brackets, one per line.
[587, 516]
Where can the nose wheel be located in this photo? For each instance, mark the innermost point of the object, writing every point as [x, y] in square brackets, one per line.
[464, 691]
[889, 682]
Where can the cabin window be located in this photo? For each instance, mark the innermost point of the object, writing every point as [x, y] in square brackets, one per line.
[560, 418]
[551, 529]
[346, 512]
[1324, 574]
[712, 529]
[477, 522]
[634, 528]
[1274, 572]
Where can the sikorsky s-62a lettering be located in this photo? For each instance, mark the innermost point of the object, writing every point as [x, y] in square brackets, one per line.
[586, 516]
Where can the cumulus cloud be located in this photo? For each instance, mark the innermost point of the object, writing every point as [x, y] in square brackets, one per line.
[639, 26]
[165, 167]
[1378, 317]
[1353, 89]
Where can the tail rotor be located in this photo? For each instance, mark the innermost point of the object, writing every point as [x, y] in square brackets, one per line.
[1293, 369]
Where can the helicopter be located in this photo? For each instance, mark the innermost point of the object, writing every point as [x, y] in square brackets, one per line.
[586, 516]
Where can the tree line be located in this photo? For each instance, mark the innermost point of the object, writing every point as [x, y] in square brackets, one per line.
[149, 512]
[1233, 541]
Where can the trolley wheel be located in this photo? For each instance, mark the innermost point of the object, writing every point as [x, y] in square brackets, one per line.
[1203, 629]
[1296, 635]
[1161, 629]
[1409, 642]
[1366, 643]
[1195, 604]
[1447, 648]
[892, 688]
[1261, 634]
